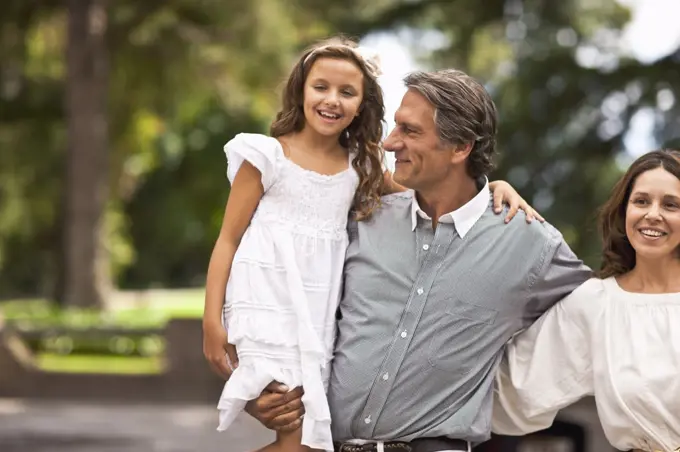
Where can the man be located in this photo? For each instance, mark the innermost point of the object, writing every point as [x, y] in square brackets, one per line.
[435, 285]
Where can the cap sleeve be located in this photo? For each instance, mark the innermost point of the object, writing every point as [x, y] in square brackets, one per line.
[260, 151]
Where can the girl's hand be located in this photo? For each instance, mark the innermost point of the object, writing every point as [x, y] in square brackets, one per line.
[221, 355]
[504, 193]
[390, 186]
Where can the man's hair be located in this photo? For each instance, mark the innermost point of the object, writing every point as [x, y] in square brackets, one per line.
[464, 113]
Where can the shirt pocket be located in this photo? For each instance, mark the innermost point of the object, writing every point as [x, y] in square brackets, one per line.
[455, 343]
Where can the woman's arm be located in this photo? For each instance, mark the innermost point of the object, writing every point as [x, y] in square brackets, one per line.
[548, 366]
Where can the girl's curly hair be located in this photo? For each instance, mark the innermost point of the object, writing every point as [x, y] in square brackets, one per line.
[362, 136]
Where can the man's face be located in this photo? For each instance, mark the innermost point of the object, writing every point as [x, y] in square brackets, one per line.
[422, 161]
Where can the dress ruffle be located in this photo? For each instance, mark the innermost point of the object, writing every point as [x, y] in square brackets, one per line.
[254, 374]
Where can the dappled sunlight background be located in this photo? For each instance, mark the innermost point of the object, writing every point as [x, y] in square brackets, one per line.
[113, 183]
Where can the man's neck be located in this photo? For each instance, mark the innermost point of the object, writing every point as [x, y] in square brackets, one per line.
[446, 198]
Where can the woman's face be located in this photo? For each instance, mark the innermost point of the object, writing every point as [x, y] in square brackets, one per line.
[653, 214]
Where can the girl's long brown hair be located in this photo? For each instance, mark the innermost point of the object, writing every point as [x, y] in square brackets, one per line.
[362, 136]
[618, 255]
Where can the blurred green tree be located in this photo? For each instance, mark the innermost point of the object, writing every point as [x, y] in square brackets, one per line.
[186, 75]
[565, 91]
[166, 65]
[83, 276]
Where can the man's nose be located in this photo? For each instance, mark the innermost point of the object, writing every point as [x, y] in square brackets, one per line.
[393, 142]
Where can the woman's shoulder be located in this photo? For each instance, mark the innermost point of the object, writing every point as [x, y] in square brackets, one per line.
[589, 299]
[592, 287]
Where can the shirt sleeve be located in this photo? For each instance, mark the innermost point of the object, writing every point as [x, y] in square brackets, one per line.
[260, 151]
[548, 366]
[561, 273]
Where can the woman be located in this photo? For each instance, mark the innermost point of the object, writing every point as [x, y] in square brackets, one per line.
[616, 337]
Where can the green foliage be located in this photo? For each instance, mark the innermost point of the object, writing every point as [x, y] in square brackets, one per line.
[129, 335]
[129, 311]
[174, 65]
[106, 364]
[177, 212]
[565, 97]
[187, 75]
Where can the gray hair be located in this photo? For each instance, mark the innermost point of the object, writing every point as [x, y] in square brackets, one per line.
[463, 113]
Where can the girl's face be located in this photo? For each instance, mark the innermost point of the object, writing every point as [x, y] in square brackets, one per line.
[333, 93]
[653, 214]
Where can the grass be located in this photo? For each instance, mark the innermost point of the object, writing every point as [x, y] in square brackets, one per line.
[128, 365]
[148, 309]
[142, 310]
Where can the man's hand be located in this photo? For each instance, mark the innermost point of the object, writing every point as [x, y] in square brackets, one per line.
[277, 408]
[221, 355]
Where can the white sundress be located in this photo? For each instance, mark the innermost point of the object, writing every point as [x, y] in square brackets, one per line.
[285, 283]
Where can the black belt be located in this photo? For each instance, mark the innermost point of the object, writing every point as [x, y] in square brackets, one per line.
[417, 445]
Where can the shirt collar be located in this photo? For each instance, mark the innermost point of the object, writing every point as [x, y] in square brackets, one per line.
[462, 218]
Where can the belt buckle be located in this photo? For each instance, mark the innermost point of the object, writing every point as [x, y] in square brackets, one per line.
[373, 447]
[352, 447]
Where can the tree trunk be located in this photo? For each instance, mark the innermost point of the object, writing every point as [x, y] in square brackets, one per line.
[84, 273]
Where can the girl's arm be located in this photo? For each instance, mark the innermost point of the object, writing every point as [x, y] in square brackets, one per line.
[245, 195]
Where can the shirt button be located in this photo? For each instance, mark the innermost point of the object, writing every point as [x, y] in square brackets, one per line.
[420, 291]
[404, 334]
[426, 247]
[367, 420]
[386, 376]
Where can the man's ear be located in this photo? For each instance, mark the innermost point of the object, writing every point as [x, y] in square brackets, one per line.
[461, 152]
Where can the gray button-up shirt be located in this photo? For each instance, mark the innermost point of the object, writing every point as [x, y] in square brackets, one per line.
[425, 316]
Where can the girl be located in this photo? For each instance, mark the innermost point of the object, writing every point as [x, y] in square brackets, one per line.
[281, 249]
[616, 337]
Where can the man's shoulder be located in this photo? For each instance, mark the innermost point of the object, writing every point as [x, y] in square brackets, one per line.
[392, 204]
[393, 209]
[396, 200]
[519, 228]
